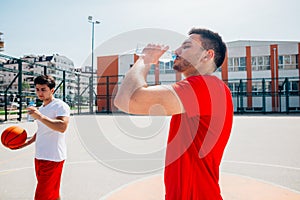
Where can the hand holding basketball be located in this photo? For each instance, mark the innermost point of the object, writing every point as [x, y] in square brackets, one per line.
[13, 137]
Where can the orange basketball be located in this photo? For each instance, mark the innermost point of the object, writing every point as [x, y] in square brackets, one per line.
[13, 137]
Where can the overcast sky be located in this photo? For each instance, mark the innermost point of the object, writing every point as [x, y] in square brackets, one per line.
[46, 27]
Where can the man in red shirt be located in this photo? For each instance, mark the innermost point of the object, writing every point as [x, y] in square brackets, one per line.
[201, 109]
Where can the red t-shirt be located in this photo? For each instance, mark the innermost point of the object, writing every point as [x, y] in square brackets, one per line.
[197, 139]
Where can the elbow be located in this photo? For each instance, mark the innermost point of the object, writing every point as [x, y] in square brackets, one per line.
[62, 127]
[62, 130]
[122, 102]
[117, 102]
[124, 105]
[128, 102]
[121, 105]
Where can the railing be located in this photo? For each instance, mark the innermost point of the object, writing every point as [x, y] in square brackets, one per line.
[264, 98]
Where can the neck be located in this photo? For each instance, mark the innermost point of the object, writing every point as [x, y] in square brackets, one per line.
[198, 72]
[195, 73]
[205, 70]
[47, 101]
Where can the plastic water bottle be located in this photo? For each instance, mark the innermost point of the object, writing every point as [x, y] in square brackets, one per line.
[29, 118]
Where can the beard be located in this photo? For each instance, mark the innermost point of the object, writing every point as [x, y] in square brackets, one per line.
[181, 65]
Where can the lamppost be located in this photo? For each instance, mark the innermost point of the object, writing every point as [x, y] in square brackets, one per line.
[91, 103]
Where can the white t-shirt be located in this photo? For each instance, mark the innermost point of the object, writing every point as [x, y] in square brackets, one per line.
[50, 144]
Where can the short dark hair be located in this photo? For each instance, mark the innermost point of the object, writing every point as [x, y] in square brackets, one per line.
[45, 80]
[212, 40]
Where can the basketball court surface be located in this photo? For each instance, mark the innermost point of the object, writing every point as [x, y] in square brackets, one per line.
[121, 157]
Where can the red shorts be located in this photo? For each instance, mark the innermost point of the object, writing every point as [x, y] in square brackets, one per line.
[48, 174]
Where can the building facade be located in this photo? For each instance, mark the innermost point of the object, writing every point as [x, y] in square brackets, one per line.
[32, 65]
[265, 68]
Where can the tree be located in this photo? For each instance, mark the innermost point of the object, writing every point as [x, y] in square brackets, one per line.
[25, 86]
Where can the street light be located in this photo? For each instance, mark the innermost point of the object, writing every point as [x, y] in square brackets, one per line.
[90, 20]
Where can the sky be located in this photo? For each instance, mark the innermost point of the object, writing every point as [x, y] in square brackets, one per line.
[61, 26]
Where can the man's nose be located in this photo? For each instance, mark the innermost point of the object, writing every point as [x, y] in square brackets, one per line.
[177, 51]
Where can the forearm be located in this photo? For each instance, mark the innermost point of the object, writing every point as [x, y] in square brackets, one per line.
[32, 139]
[135, 78]
[60, 123]
[55, 124]
[29, 142]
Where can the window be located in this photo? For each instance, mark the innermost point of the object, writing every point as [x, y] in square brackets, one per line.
[268, 86]
[243, 61]
[230, 85]
[266, 60]
[287, 62]
[168, 65]
[260, 60]
[235, 86]
[294, 88]
[295, 85]
[260, 63]
[253, 60]
[230, 62]
[152, 69]
[257, 87]
[237, 64]
[165, 68]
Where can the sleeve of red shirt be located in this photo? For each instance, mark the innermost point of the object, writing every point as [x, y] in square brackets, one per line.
[194, 95]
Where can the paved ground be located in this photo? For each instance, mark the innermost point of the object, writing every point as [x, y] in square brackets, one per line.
[121, 157]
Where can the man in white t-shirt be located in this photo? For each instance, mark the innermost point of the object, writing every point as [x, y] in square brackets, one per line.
[51, 151]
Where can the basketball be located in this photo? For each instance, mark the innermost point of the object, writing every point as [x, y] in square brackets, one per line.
[13, 137]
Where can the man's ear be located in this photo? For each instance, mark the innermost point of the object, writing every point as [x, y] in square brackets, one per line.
[210, 54]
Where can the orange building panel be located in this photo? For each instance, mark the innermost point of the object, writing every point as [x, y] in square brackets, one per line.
[107, 82]
[249, 76]
[224, 68]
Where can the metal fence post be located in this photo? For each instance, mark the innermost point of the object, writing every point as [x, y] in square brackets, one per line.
[78, 93]
[64, 86]
[5, 106]
[91, 103]
[241, 96]
[20, 89]
[264, 95]
[107, 95]
[287, 90]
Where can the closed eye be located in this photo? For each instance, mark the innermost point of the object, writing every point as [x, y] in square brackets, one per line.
[186, 46]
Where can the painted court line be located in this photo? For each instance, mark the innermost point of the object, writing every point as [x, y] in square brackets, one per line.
[261, 164]
[126, 185]
[66, 164]
[15, 169]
